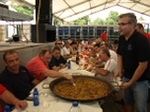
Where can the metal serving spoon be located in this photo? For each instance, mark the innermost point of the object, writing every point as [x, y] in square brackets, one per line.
[73, 84]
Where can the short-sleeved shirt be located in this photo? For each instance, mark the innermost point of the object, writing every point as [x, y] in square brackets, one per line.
[147, 35]
[133, 51]
[36, 66]
[104, 37]
[113, 54]
[65, 50]
[2, 89]
[19, 84]
[111, 66]
[57, 62]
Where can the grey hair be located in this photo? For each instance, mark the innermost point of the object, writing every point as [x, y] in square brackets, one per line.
[131, 16]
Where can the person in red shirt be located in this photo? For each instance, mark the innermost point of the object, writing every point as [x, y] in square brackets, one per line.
[140, 29]
[9, 98]
[38, 66]
[104, 36]
[147, 35]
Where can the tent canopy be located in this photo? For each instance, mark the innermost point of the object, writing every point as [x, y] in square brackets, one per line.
[8, 15]
[69, 10]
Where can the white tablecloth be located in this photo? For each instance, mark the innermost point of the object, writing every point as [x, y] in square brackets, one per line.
[51, 103]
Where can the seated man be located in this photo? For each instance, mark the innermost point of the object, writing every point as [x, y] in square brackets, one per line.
[113, 54]
[15, 77]
[115, 45]
[60, 44]
[9, 98]
[66, 50]
[110, 66]
[94, 53]
[38, 66]
[74, 47]
[57, 61]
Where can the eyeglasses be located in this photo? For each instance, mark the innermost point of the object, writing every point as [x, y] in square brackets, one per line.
[123, 24]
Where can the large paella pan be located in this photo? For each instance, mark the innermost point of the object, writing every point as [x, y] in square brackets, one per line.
[87, 88]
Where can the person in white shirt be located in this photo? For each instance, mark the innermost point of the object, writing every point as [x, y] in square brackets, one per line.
[80, 46]
[66, 50]
[113, 54]
[110, 67]
[74, 47]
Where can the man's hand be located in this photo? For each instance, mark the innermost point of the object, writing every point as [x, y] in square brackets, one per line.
[125, 85]
[67, 76]
[118, 74]
[90, 69]
[62, 66]
[21, 104]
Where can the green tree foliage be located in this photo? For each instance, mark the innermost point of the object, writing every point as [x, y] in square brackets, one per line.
[3, 1]
[141, 18]
[82, 21]
[110, 22]
[57, 22]
[98, 21]
[112, 19]
[23, 9]
[113, 15]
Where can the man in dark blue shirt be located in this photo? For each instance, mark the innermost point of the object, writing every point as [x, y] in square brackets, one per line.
[15, 77]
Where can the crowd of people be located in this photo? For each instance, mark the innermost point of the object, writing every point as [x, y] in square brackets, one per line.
[129, 59]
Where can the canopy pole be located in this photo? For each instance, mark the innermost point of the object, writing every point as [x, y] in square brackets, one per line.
[37, 22]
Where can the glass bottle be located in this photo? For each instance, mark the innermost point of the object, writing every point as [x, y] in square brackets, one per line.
[77, 58]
